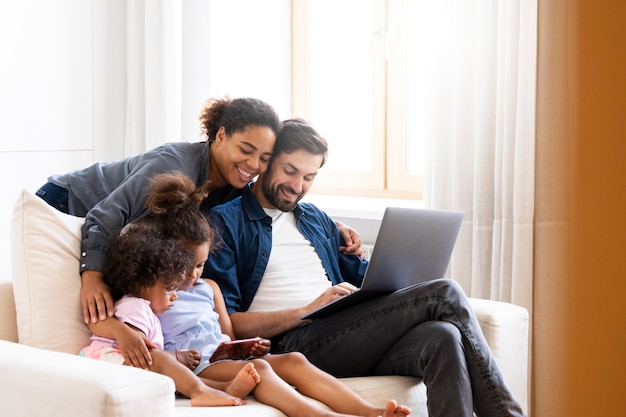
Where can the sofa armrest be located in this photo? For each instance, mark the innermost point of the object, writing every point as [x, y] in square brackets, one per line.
[42, 382]
[505, 327]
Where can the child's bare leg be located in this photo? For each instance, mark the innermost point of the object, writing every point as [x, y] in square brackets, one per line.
[242, 384]
[189, 384]
[311, 381]
[271, 390]
[274, 391]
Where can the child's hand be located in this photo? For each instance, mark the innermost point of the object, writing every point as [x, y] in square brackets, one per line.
[135, 348]
[188, 357]
[260, 348]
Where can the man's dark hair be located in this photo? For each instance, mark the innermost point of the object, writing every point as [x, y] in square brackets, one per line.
[298, 134]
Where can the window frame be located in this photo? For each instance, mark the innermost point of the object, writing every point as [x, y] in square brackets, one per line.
[387, 178]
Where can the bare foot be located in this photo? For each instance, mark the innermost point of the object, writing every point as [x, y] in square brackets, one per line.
[209, 397]
[395, 410]
[244, 382]
[188, 357]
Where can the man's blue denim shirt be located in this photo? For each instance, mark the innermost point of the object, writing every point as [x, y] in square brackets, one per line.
[239, 263]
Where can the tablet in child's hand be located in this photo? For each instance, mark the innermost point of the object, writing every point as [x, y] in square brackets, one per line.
[234, 349]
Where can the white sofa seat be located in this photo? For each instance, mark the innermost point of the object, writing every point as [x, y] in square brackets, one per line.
[70, 385]
[38, 382]
[41, 331]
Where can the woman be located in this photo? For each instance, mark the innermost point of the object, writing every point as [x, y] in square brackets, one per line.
[240, 137]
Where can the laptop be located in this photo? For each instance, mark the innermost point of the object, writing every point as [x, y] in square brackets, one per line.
[412, 246]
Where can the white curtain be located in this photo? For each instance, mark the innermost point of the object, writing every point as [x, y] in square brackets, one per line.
[153, 57]
[481, 129]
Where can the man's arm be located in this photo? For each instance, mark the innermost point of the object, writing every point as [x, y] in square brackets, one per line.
[265, 324]
[268, 324]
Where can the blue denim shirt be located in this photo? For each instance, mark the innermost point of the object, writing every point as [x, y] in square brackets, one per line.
[246, 230]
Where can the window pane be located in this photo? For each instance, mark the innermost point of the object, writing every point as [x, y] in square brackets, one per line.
[250, 51]
[421, 52]
[340, 95]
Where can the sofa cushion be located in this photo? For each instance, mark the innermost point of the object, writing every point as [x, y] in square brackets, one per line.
[38, 382]
[8, 327]
[45, 246]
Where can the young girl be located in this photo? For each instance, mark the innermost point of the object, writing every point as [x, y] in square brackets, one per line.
[198, 322]
[201, 322]
[143, 270]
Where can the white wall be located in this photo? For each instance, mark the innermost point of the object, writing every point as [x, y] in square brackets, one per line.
[63, 92]
[64, 80]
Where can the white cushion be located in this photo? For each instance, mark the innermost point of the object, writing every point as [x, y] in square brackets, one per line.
[8, 327]
[45, 248]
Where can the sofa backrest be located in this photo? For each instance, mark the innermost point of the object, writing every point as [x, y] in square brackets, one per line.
[45, 249]
[8, 327]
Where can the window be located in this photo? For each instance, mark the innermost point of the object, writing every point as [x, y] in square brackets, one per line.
[356, 80]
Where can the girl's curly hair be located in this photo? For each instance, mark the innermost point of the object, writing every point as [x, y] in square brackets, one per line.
[174, 202]
[160, 246]
[141, 256]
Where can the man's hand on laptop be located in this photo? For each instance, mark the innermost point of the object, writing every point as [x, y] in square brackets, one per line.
[331, 294]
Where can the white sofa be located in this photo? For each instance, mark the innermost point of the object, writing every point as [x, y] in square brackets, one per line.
[41, 330]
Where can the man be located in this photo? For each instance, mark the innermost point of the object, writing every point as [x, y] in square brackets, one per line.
[277, 251]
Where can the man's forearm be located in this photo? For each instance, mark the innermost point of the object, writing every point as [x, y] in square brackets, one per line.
[265, 324]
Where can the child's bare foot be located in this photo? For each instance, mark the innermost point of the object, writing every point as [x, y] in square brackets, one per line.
[244, 382]
[209, 397]
[188, 357]
[395, 410]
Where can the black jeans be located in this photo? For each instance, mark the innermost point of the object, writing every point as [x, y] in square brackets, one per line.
[54, 195]
[428, 330]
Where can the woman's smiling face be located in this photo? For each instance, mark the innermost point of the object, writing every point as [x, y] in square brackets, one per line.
[241, 156]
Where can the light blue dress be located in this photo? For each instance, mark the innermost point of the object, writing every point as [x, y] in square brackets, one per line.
[193, 324]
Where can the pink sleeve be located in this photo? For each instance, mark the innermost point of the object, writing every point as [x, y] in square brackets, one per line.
[137, 312]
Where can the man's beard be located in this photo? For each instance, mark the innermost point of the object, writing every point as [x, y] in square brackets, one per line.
[272, 195]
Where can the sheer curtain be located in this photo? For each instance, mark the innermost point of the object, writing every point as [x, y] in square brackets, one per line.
[153, 60]
[179, 53]
[480, 152]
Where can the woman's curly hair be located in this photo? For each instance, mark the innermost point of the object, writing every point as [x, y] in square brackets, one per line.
[140, 257]
[235, 115]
